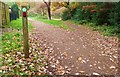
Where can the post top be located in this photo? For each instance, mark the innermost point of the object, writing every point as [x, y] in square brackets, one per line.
[24, 4]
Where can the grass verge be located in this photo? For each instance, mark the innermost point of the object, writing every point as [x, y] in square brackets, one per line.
[12, 43]
[56, 23]
[13, 40]
[17, 24]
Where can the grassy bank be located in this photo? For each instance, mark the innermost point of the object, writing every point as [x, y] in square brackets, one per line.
[106, 30]
[12, 43]
[56, 23]
[12, 40]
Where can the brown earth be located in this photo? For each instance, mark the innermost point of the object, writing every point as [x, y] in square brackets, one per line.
[78, 52]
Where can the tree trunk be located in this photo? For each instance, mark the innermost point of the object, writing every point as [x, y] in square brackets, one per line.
[48, 4]
[49, 13]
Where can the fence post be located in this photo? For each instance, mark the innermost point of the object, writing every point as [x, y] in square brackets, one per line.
[25, 31]
[0, 14]
[5, 14]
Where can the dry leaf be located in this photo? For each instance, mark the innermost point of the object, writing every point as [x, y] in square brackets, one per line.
[79, 58]
[94, 73]
[112, 67]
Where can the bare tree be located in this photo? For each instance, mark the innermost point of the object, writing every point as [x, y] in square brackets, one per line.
[48, 4]
[68, 2]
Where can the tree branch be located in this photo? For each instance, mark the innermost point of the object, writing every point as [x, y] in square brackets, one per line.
[68, 2]
[45, 3]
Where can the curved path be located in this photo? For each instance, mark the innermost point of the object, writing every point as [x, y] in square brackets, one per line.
[77, 52]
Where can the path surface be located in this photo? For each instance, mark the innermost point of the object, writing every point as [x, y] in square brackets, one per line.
[81, 51]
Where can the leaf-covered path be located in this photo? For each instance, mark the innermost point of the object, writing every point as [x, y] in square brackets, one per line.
[81, 51]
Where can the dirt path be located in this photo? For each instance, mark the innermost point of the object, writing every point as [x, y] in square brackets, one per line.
[77, 52]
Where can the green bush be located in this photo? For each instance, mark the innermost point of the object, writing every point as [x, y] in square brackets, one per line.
[78, 15]
[66, 15]
[83, 22]
[86, 15]
[14, 12]
[115, 14]
[100, 18]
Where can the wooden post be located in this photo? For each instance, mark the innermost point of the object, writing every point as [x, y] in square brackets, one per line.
[5, 14]
[0, 15]
[25, 33]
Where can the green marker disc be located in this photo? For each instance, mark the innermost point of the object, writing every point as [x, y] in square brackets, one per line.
[24, 9]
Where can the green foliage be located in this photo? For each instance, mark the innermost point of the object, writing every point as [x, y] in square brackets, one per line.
[103, 13]
[15, 8]
[115, 14]
[83, 22]
[14, 12]
[37, 16]
[12, 41]
[78, 16]
[17, 24]
[105, 30]
[115, 17]
[66, 15]
[100, 18]
[86, 15]
[83, 12]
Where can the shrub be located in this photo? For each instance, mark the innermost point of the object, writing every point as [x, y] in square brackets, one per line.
[101, 14]
[115, 14]
[100, 18]
[83, 22]
[66, 15]
[14, 12]
[86, 15]
[78, 15]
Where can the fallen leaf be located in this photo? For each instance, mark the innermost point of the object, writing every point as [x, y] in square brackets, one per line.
[53, 66]
[81, 71]
[79, 58]
[94, 73]
[83, 61]
[77, 74]
[65, 53]
[66, 67]
[90, 65]
[99, 68]
[112, 67]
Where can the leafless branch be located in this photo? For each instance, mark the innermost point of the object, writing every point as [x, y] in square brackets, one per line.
[45, 2]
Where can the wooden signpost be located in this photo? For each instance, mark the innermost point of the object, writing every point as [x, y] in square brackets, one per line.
[25, 31]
